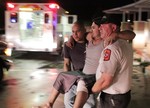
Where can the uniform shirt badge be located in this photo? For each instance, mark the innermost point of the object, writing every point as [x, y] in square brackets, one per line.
[107, 53]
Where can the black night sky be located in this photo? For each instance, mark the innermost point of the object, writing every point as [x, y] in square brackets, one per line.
[85, 9]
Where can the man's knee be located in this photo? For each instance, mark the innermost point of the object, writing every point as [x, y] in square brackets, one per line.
[81, 86]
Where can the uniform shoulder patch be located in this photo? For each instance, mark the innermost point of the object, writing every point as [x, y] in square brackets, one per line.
[107, 53]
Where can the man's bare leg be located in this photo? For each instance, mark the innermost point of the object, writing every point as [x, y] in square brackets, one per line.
[52, 98]
[81, 99]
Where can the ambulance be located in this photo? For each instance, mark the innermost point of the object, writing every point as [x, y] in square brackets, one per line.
[37, 26]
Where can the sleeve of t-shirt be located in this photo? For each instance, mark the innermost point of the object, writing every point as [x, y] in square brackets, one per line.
[110, 60]
[66, 51]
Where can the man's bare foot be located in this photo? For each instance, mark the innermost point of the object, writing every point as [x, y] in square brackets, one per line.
[48, 105]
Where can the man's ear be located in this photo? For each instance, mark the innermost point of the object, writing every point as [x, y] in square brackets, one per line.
[114, 27]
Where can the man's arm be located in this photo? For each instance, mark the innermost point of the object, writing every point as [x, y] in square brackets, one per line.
[67, 64]
[89, 36]
[67, 61]
[126, 35]
[103, 82]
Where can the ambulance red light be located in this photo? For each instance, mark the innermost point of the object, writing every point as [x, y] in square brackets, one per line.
[9, 5]
[54, 6]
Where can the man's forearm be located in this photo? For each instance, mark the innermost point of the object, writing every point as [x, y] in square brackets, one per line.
[102, 83]
[67, 64]
[126, 34]
[97, 87]
[67, 67]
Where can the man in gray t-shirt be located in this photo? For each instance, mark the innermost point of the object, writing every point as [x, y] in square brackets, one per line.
[74, 60]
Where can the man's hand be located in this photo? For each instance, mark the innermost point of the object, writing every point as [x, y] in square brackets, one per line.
[70, 42]
[43, 106]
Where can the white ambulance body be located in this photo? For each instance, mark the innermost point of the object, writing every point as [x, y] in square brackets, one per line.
[37, 26]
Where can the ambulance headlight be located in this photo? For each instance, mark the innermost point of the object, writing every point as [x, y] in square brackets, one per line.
[8, 51]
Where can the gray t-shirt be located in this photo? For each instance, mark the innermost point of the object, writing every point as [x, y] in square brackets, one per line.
[93, 53]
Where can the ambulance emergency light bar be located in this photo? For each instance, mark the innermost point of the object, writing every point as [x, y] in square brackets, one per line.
[54, 6]
[31, 7]
[9, 5]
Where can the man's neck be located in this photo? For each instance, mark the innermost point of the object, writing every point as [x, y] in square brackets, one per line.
[80, 41]
[109, 41]
[96, 40]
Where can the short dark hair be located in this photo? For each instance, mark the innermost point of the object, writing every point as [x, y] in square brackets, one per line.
[97, 20]
[80, 23]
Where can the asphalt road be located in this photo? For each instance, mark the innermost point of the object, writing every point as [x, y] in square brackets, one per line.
[28, 83]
